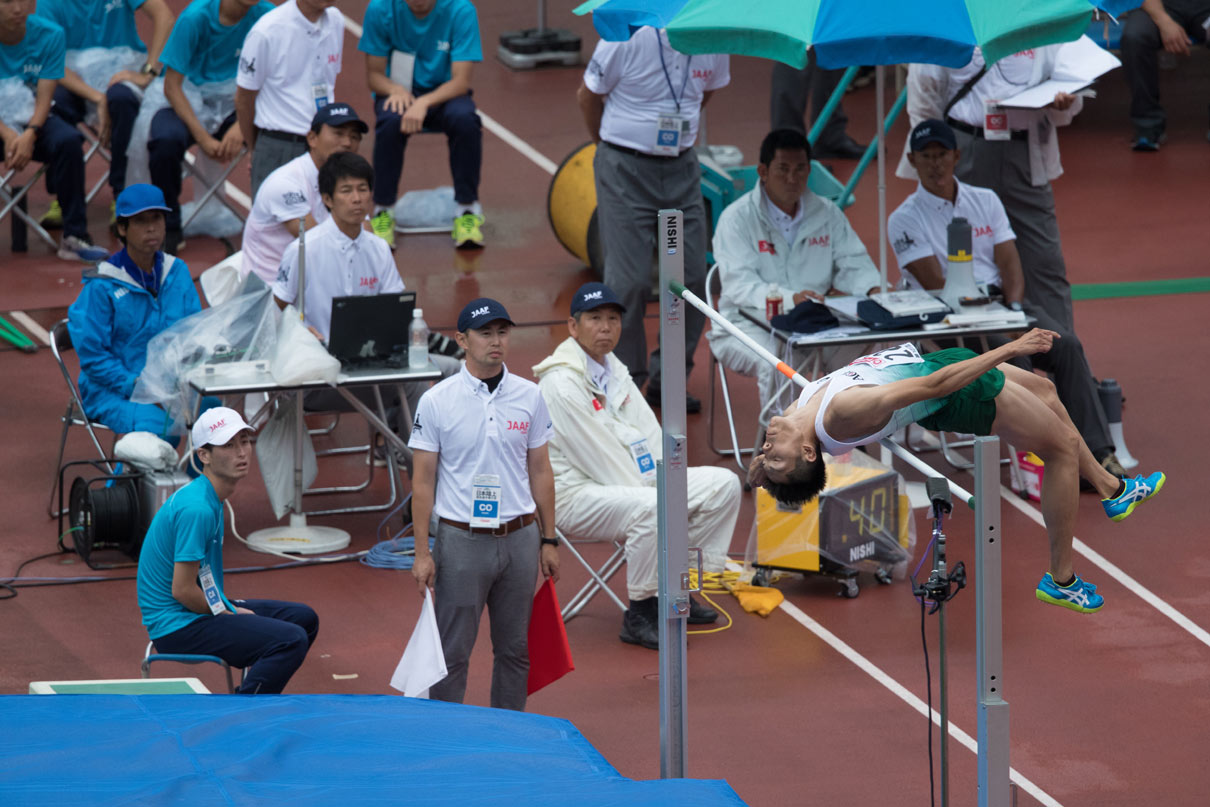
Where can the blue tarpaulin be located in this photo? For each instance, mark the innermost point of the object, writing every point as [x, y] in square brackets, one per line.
[308, 750]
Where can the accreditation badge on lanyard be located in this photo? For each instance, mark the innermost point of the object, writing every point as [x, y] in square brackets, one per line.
[213, 598]
[319, 91]
[995, 121]
[671, 127]
[485, 501]
[643, 459]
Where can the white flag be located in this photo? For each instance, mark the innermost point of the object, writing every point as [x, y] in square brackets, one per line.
[423, 662]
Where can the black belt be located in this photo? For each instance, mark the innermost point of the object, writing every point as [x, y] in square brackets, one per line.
[286, 136]
[637, 153]
[977, 131]
[501, 531]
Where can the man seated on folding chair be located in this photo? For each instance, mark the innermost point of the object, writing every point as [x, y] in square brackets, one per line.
[204, 48]
[31, 63]
[917, 231]
[292, 191]
[125, 301]
[419, 58]
[121, 65]
[180, 582]
[603, 452]
[343, 259]
[780, 236]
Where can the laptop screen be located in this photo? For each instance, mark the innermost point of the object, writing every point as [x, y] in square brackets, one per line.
[371, 329]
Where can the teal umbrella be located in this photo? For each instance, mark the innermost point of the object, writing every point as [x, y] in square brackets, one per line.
[854, 32]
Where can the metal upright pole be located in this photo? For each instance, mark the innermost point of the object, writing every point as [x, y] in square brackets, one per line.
[993, 709]
[942, 667]
[673, 501]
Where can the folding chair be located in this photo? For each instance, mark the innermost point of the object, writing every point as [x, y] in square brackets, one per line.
[190, 168]
[599, 578]
[60, 343]
[15, 202]
[713, 288]
[187, 658]
[94, 147]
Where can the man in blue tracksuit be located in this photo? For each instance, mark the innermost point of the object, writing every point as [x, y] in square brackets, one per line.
[129, 298]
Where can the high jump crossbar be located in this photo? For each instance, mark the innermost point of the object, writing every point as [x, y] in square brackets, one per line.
[993, 734]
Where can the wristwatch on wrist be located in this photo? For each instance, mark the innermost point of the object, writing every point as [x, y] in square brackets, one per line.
[551, 541]
[149, 70]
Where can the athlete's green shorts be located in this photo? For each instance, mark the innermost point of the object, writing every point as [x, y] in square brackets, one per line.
[970, 410]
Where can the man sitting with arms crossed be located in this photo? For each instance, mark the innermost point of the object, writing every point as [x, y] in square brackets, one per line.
[603, 452]
[180, 581]
[917, 230]
[781, 235]
[125, 301]
[952, 390]
[483, 479]
[292, 191]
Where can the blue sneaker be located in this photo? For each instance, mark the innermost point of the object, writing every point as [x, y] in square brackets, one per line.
[1138, 490]
[75, 248]
[1079, 596]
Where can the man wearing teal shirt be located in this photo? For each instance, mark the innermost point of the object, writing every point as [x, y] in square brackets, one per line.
[31, 59]
[109, 24]
[419, 58]
[180, 580]
[205, 49]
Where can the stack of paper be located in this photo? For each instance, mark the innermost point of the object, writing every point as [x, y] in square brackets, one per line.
[1077, 65]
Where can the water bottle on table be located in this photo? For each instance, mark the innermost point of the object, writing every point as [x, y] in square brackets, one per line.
[418, 340]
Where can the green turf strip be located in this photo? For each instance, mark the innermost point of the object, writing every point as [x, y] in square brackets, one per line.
[1140, 288]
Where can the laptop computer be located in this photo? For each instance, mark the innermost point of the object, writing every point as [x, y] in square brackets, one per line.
[371, 331]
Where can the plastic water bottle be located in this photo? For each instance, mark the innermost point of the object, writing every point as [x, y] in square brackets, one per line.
[418, 340]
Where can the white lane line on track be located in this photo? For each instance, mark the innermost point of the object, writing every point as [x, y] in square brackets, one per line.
[872, 670]
[31, 326]
[1114, 571]
[489, 123]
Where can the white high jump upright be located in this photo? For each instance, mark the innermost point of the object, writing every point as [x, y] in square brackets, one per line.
[672, 482]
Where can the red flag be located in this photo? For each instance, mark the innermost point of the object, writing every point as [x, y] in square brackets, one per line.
[549, 652]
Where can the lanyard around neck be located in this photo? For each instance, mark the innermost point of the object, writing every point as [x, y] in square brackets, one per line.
[668, 79]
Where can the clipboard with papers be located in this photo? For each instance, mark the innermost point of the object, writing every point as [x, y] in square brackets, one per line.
[1077, 65]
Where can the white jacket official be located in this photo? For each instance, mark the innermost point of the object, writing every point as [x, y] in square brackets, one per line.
[600, 439]
[753, 256]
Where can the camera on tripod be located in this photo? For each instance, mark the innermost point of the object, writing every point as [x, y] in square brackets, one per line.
[109, 512]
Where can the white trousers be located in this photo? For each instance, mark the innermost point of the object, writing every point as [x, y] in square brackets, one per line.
[606, 512]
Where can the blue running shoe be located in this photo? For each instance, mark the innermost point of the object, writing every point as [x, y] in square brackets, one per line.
[1138, 490]
[1079, 596]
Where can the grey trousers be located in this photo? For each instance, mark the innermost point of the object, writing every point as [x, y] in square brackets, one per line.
[631, 190]
[1003, 166]
[474, 570]
[269, 155]
[1141, 45]
[788, 99]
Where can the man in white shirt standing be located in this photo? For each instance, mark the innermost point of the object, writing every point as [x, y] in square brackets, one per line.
[603, 452]
[483, 480]
[1015, 152]
[292, 191]
[917, 230]
[781, 235]
[642, 102]
[287, 72]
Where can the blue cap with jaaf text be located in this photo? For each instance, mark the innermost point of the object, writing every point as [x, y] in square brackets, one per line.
[480, 312]
[593, 295]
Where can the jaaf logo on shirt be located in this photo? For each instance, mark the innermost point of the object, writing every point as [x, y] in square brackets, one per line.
[978, 231]
[368, 282]
[819, 241]
[766, 246]
[518, 426]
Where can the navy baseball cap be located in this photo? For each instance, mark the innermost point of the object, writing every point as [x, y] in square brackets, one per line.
[933, 131]
[135, 199]
[337, 115]
[480, 312]
[593, 295]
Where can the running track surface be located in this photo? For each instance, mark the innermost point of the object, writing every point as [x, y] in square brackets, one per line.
[818, 702]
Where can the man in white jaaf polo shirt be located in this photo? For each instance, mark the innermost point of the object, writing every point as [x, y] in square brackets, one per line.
[292, 191]
[287, 72]
[917, 230]
[481, 472]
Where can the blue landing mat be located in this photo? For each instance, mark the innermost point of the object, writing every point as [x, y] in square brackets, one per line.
[301, 750]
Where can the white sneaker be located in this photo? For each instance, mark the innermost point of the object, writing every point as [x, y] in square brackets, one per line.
[74, 248]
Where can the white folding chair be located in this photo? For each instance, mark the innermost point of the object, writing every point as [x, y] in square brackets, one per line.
[598, 578]
[190, 168]
[713, 288]
[60, 343]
